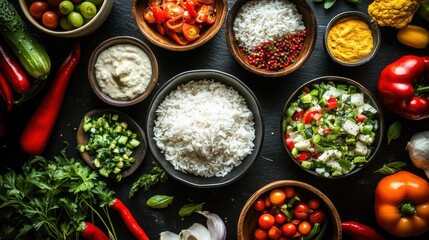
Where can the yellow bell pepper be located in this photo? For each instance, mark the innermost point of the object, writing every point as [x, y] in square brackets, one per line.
[413, 36]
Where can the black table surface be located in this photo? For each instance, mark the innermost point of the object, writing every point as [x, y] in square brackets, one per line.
[353, 196]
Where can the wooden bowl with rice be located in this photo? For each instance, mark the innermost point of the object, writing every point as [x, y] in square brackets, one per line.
[277, 45]
[204, 127]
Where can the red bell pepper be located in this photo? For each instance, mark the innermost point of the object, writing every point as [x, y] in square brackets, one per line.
[397, 91]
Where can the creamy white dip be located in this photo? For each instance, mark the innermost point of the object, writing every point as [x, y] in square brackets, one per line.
[123, 71]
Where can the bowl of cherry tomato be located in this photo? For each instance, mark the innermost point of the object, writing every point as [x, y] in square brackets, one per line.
[66, 18]
[179, 25]
[289, 209]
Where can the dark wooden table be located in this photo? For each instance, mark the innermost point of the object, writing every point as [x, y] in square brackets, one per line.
[353, 196]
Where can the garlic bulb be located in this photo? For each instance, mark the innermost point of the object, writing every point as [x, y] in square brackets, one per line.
[418, 150]
[215, 225]
[195, 232]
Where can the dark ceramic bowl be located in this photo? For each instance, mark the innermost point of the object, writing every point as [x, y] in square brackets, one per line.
[248, 219]
[310, 23]
[368, 98]
[138, 154]
[373, 26]
[217, 76]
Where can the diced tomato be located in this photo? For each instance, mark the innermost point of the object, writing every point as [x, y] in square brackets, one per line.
[178, 37]
[306, 90]
[332, 103]
[211, 15]
[173, 11]
[202, 14]
[310, 115]
[299, 113]
[148, 15]
[303, 156]
[289, 141]
[326, 130]
[152, 3]
[158, 14]
[191, 32]
[360, 118]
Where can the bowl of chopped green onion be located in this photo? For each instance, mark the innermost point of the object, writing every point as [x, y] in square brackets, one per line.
[332, 126]
[111, 143]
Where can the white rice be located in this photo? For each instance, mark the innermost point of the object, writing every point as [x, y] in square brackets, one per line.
[259, 21]
[204, 128]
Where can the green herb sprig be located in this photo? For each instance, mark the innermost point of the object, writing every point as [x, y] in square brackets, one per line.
[391, 168]
[148, 180]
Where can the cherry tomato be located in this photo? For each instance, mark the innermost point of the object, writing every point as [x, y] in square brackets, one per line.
[202, 14]
[259, 204]
[274, 233]
[313, 203]
[277, 196]
[50, 20]
[301, 211]
[38, 8]
[268, 203]
[191, 32]
[148, 15]
[289, 229]
[304, 227]
[53, 2]
[266, 221]
[317, 216]
[290, 191]
[173, 11]
[280, 218]
[260, 234]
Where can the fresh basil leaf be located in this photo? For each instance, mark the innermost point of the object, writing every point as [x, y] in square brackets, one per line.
[391, 168]
[328, 3]
[159, 201]
[394, 131]
[190, 208]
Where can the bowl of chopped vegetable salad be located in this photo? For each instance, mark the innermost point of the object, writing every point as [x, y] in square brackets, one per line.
[332, 126]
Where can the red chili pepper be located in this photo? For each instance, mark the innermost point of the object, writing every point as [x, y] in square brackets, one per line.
[289, 141]
[13, 71]
[92, 232]
[38, 130]
[129, 220]
[6, 92]
[396, 88]
[360, 231]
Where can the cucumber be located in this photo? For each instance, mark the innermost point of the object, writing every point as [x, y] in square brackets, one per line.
[23, 43]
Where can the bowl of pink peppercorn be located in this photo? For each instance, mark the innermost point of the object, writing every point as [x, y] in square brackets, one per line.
[276, 43]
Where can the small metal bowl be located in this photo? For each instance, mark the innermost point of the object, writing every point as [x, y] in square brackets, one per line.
[93, 79]
[138, 153]
[373, 26]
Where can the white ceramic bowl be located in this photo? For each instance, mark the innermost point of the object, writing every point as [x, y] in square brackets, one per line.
[88, 28]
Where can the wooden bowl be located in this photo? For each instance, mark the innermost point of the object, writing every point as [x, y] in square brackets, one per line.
[93, 79]
[138, 153]
[247, 221]
[310, 23]
[151, 33]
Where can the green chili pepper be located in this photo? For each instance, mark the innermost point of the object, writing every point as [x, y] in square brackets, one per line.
[313, 232]
[322, 232]
[159, 201]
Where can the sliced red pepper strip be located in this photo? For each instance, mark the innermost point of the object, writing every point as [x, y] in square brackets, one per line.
[38, 130]
[148, 15]
[13, 71]
[173, 11]
[129, 220]
[360, 231]
[396, 87]
[202, 14]
[211, 15]
[158, 14]
[175, 24]
[92, 232]
[191, 32]
[309, 115]
[6, 92]
[190, 6]
[289, 141]
[178, 37]
[303, 156]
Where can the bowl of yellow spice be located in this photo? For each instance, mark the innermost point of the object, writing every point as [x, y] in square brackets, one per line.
[352, 38]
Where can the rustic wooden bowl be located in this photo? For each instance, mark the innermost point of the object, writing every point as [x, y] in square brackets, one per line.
[150, 32]
[93, 80]
[138, 154]
[247, 221]
[310, 40]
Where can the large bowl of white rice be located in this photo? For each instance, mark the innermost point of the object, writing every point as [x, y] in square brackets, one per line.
[205, 128]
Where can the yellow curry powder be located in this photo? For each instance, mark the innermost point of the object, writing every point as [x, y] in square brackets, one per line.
[350, 40]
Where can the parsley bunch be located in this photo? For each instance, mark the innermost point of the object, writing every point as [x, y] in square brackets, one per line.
[51, 199]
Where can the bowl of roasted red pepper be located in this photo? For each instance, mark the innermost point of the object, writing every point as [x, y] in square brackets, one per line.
[179, 25]
[332, 127]
[291, 210]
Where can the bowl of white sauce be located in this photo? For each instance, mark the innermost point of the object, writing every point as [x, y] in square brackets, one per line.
[122, 71]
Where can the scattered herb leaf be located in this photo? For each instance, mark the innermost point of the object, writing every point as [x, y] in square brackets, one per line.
[394, 131]
[391, 168]
[159, 201]
[190, 208]
[148, 180]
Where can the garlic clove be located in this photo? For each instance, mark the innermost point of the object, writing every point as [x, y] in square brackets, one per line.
[195, 232]
[167, 235]
[215, 225]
